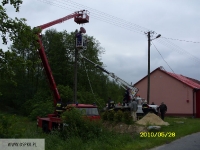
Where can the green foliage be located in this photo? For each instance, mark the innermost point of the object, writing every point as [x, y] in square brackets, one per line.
[24, 128]
[15, 3]
[79, 126]
[7, 127]
[104, 115]
[111, 114]
[66, 93]
[41, 109]
[24, 79]
[118, 116]
[41, 97]
[127, 118]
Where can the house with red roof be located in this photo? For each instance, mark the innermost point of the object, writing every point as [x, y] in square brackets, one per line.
[181, 94]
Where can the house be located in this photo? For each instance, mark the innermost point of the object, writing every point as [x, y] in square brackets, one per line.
[181, 94]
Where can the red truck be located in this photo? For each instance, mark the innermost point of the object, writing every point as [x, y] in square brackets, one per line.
[52, 121]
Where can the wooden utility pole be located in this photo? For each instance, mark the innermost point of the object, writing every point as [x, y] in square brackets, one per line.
[75, 70]
[148, 83]
[149, 44]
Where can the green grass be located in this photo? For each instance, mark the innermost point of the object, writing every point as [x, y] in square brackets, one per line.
[106, 140]
[189, 126]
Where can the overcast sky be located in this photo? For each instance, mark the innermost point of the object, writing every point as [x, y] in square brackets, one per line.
[120, 26]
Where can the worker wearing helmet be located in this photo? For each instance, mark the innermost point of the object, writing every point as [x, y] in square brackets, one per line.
[145, 107]
[59, 108]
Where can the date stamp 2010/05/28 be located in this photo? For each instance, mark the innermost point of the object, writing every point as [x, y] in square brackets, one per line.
[157, 134]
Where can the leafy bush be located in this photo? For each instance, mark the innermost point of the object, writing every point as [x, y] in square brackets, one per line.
[41, 109]
[66, 93]
[7, 127]
[127, 118]
[77, 125]
[111, 114]
[118, 116]
[104, 115]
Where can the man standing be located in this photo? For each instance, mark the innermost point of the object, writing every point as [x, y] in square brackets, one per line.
[163, 110]
[111, 103]
[145, 107]
[134, 108]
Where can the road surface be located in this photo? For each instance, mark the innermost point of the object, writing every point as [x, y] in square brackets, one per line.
[189, 142]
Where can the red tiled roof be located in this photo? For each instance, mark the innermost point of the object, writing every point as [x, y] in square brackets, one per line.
[189, 81]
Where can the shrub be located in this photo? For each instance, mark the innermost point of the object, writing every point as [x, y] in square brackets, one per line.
[41, 109]
[104, 115]
[118, 116]
[110, 115]
[8, 128]
[127, 118]
[77, 125]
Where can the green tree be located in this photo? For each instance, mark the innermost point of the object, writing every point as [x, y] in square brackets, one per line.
[19, 33]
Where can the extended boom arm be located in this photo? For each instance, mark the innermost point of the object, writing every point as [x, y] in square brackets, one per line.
[123, 83]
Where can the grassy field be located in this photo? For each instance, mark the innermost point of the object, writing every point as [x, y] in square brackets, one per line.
[21, 127]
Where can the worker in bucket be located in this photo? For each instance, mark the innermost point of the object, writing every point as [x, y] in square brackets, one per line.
[134, 108]
[79, 38]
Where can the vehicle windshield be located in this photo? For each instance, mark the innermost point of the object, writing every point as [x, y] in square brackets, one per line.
[89, 111]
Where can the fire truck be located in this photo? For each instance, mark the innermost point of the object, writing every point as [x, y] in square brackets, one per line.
[132, 93]
[53, 121]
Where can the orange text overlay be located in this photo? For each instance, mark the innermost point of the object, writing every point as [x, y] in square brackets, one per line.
[157, 134]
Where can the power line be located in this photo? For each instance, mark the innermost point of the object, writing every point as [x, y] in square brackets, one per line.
[180, 40]
[95, 15]
[176, 48]
[103, 14]
[176, 75]
[162, 57]
[104, 17]
[117, 22]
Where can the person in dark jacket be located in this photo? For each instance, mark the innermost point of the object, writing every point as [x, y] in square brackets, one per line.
[126, 97]
[59, 108]
[79, 38]
[111, 103]
[163, 110]
[145, 107]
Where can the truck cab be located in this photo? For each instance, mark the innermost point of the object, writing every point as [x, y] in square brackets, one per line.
[53, 121]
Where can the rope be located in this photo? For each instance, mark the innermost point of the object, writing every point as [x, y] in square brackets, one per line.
[90, 84]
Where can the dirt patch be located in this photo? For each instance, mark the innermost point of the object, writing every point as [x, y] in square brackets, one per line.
[124, 128]
[151, 119]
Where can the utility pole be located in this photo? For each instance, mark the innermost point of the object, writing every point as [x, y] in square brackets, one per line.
[75, 70]
[79, 46]
[149, 44]
[148, 83]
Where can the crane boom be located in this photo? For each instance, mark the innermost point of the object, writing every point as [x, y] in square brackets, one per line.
[123, 83]
[80, 17]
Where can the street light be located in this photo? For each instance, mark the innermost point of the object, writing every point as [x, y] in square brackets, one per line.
[149, 44]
